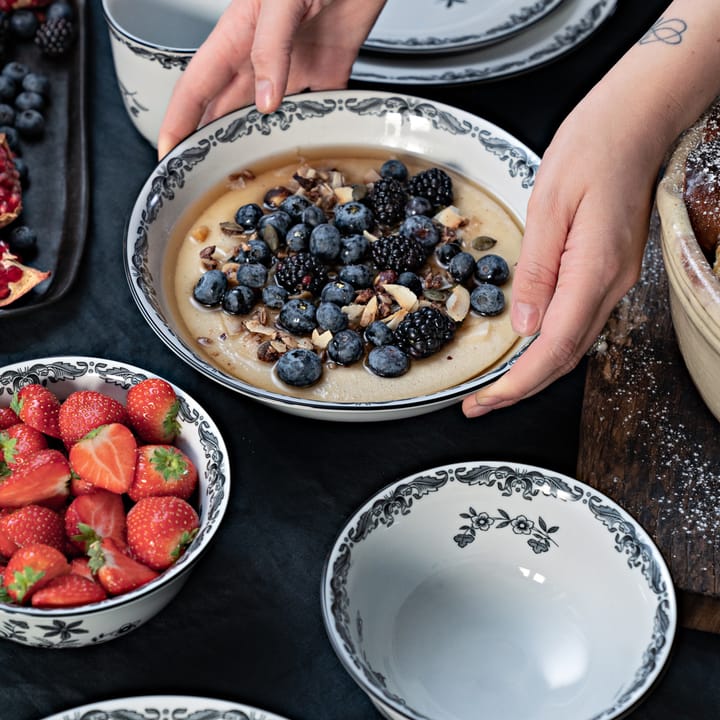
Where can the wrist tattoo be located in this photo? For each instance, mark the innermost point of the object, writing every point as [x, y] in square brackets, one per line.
[668, 31]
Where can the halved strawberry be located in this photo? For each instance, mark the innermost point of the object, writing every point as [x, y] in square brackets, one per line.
[159, 529]
[31, 568]
[152, 407]
[106, 457]
[117, 572]
[43, 478]
[8, 417]
[19, 440]
[68, 591]
[163, 470]
[81, 566]
[33, 524]
[39, 408]
[85, 410]
[94, 516]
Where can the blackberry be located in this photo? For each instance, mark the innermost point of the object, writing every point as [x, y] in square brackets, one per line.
[434, 185]
[301, 272]
[387, 200]
[398, 253]
[423, 332]
[55, 36]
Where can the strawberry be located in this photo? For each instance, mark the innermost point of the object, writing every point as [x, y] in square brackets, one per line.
[152, 408]
[8, 5]
[117, 572]
[106, 457]
[160, 528]
[68, 591]
[39, 408]
[94, 516]
[31, 568]
[20, 440]
[81, 566]
[85, 410]
[42, 478]
[33, 524]
[163, 470]
[8, 417]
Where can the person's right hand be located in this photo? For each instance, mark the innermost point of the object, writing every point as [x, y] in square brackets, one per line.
[261, 50]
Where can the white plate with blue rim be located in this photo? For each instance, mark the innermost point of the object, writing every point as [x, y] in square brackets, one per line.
[501, 589]
[152, 707]
[440, 26]
[548, 39]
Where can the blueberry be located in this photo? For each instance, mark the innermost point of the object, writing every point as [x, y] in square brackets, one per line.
[446, 252]
[298, 237]
[492, 269]
[346, 347]
[29, 100]
[461, 267]
[30, 124]
[313, 216]
[422, 229]
[23, 24]
[23, 241]
[359, 276]
[487, 300]
[412, 281]
[339, 292]
[8, 89]
[16, 71]
[294, 205]
[239, 300]
[252, 274]
[331, 317]
[378, 334]
[353, 217]
[417, 205]
[248, 216]
[22, 168]
[7, 114]
[37, 82]
[299, 367]
[60, 9]
[12, 136]
[353, 249]
[274, 296]
[325, 242]
[298, 317]
[210, 288]
[278, 220]
[258, 251]
[388, 361]
[394, 169]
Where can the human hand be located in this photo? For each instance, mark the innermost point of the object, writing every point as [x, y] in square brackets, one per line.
[262, 50]
[586, 229]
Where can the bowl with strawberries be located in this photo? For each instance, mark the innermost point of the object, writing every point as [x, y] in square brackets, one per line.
[113, 482]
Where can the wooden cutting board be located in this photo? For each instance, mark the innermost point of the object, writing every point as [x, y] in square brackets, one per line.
[648, 441]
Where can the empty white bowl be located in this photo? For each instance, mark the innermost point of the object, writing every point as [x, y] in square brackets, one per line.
[312, 124]
[488, 589]
[199, 438]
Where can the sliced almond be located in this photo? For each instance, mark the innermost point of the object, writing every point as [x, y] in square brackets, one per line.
[344, 194]
[458, 303]
[254, 326]
[354, 313]
[392, 321]
[320, 340]
[370, 312]
[402, 295]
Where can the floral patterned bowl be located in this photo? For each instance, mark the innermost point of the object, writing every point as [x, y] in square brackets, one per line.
[310, 124]
[498, 590]
[199, 438]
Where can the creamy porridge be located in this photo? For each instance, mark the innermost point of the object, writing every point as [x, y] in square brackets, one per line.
[209, 238]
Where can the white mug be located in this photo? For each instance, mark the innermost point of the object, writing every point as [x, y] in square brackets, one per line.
[152, 42]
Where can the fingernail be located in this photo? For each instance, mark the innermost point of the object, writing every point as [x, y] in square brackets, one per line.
[263, 95]
[525, 318]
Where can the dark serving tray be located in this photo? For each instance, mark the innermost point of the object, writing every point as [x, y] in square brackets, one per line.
[55, 204]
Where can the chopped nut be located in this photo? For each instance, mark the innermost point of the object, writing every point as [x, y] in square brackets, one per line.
[364, 296]
[200, 233]
[207, 252]
[238, 180]
[254, 326]
[451, 217]
[344, 194]
[267, 353]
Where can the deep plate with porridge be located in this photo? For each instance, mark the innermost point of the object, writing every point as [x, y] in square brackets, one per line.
[378, 279]
[304, 131]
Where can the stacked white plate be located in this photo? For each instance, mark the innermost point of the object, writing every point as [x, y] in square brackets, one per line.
[457, 41]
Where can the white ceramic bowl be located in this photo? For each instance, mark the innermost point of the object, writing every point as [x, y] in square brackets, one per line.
[199, 438]
[693, 288]
[340, 119]
[488, 589]
[152, 42]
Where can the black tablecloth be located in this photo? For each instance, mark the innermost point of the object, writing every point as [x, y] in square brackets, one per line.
[247, 625]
